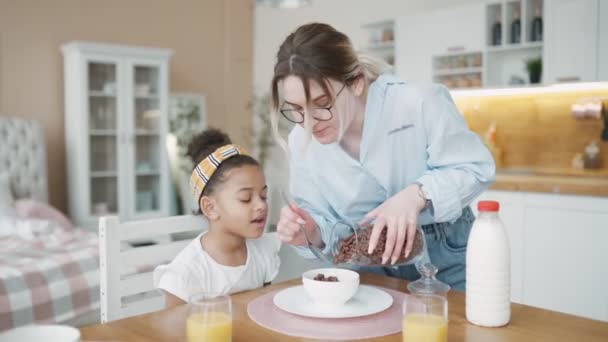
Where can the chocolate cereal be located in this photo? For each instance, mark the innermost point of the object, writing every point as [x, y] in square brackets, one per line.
[349, 251]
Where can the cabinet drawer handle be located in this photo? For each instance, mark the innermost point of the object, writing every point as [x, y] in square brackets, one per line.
[565, 79]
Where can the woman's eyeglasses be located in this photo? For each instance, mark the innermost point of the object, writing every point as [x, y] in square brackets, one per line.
[321, 114]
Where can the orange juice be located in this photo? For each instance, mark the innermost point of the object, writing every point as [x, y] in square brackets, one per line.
[425, 328]
[210, 326]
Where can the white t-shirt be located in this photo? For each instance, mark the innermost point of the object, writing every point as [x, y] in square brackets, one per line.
[193, 270]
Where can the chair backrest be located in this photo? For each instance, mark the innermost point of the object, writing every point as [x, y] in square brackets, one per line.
[126, 274]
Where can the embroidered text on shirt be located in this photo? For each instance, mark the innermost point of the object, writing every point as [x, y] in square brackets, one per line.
[402, 128]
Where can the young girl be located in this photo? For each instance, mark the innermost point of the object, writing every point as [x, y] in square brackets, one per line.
[233, 255]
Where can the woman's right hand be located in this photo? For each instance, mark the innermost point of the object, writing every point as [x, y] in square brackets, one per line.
[291, 223]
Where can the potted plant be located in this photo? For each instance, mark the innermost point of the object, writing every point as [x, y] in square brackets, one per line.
[535, 68]
[187, 118]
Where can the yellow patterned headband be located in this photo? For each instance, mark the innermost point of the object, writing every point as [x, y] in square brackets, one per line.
[204, 170]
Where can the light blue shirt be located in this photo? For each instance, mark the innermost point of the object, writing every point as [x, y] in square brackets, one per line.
[411, 133]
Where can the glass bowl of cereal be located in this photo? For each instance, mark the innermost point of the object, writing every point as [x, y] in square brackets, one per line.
[350, 242]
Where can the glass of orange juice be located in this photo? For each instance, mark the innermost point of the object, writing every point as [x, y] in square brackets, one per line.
[209, 318]
[425, 318]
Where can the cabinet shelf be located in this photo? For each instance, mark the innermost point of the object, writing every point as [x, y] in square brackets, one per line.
[147, 97]
[104, 174]
[97, 93]
[381, 40]
[381, 46]
[146, 133]
[515, 47]
[458, 71]
[147, 173]
[103, 132]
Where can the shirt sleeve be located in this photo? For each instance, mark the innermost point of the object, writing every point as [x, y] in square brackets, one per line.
[460, 167]
[307, 195]
[177, 279]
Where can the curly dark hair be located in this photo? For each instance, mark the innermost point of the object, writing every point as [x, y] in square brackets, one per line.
[204, 144]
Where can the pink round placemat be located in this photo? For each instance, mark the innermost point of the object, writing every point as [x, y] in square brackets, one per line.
[263, 311]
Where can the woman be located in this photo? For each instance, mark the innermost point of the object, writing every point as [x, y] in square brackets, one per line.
[367, 145]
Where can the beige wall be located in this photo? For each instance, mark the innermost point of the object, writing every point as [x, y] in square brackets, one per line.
[211, 39]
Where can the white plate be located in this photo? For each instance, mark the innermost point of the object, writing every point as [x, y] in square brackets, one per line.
[47, 333]
[367, 301]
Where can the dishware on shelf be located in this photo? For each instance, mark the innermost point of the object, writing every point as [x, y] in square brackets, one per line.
[144, 167]
[591, 158]
[142, 89]
[101, 208]
[109, 88]
[145, 200]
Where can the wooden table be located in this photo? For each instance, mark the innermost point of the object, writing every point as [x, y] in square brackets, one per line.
[527, 323]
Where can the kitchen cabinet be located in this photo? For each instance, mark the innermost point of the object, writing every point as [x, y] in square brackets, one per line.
[571, 41]
[574, 46]
[421, 36]
[558, 256]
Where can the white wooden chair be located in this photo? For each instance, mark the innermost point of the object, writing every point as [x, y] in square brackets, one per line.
[123, 293]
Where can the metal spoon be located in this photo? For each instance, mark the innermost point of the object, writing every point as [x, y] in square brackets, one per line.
[314, 249]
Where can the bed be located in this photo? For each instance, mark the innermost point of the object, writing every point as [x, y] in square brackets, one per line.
[49, 270]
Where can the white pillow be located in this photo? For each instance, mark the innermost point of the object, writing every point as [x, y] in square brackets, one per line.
[7, 207]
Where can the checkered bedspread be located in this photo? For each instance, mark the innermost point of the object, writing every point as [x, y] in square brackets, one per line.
[48, 277]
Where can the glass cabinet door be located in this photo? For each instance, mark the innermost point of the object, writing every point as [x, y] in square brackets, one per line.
[147, 127]
[103, 137]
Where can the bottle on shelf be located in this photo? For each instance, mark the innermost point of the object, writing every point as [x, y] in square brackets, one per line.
[536, 33]
[591, 159]
[516, 27]
[497, 30]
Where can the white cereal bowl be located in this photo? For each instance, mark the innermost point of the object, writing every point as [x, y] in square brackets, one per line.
[46, 333]
[331, 294]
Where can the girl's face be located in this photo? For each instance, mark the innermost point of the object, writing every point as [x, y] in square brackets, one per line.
[239, 203]
[330, 114]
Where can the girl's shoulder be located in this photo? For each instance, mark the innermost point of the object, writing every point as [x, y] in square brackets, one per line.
[190, 261]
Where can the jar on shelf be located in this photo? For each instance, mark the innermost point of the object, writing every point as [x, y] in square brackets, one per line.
[388, 35]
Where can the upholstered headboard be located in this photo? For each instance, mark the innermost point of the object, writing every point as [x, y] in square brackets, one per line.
[23, 155]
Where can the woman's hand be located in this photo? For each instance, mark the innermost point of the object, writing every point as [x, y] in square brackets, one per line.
[399, 214]
[291, 224]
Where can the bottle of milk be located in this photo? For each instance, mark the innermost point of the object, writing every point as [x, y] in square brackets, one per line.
[488, 283]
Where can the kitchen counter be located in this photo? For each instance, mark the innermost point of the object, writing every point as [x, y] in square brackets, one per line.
[553, 180]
